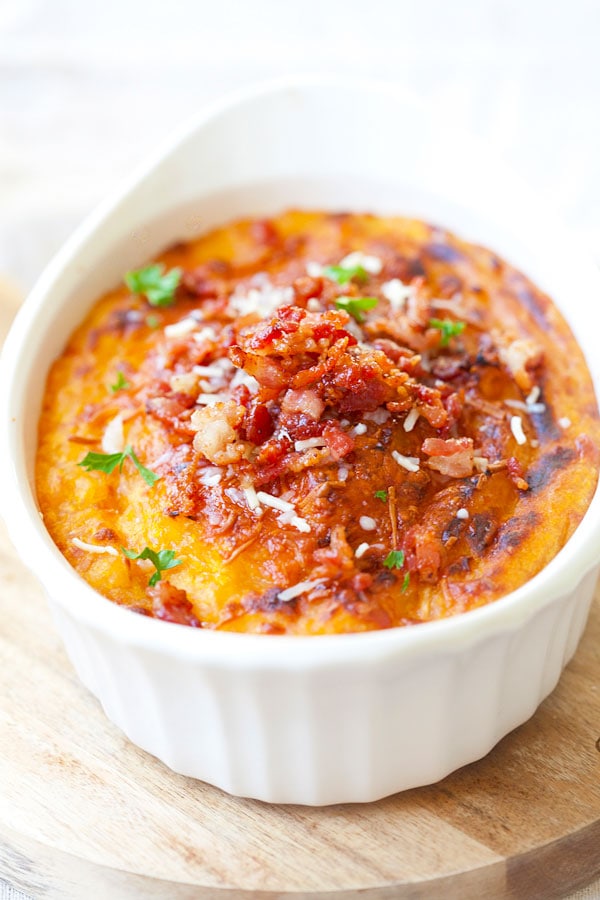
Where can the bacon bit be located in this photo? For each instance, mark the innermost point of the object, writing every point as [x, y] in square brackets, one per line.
[481, 464]
[305, 401]
[217, 437]
[482, 406]
[453, 457]
[79, 439]
[521, 356]
[258, 424]
[172, 605]
[515, 471]
[337, 558]
[339, 443]
[427, 555]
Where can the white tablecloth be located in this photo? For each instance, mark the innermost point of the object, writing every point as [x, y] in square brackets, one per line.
[86, 89]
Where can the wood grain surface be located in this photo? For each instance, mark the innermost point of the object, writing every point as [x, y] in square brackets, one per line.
[84, 813]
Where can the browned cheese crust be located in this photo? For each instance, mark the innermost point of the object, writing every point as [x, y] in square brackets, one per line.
[405, 437]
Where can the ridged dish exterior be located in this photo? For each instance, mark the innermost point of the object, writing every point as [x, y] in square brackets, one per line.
[326, 734]
[304, 720]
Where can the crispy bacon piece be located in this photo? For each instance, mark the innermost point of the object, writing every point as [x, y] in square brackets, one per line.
[217, 437]
[172, 605]
[453, 457]
[521, 357]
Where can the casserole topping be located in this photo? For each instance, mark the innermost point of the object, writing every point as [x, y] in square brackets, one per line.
[341, 423]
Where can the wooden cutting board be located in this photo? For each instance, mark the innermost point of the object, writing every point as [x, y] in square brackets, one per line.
[85, 814]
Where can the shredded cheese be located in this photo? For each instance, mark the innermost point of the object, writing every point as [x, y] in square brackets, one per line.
[371, 264]
[481, 463]
[113, 439]
[516, 426]
[361, 549]
[300, 523]
[397, 293]
[93, 548]
[181, 328]
[564, 422]
[361, 428]
[410, 463]
[462, 513]
[309, 443]
[367, 523]
[274, 502]
[263, 300]
[411, 419]
[303, 587]
[314, 269]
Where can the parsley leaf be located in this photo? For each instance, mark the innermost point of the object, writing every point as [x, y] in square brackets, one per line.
[161, 560]
[448, 328]
[381, 495]
[108, 462]
[394, 559]
[344, 274]
[120, 384]
[356, 305]
[152, 322]
[405, 582]
[154, 283]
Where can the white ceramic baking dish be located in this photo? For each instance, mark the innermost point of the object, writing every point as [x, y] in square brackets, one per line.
[287, 719]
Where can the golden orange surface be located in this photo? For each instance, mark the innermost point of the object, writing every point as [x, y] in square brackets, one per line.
[462, 455]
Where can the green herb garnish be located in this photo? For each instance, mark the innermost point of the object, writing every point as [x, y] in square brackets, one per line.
[156, 285]
[381, 495]
[405, 582]
[344, 274]
[120, 384]
[448, 328]
[152, 321]
[356, 305]
[108, 462]
[161, 560]
[394, 559]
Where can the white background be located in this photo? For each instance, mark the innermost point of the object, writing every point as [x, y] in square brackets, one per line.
[87, 88]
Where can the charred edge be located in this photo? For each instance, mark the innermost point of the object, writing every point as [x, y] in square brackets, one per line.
[517, 530]
[542, 473]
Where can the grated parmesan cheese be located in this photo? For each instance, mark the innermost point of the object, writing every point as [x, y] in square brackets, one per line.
[205, 334]
[526, 407]
[296, 589]
[210, 476]
[533, 395]
[371, 264]
[411, 419]
[94, 548]
[343, 473]
[410, 463]
[309, 443]
[367, 523]
[565, 422]
[361, 550]
[300, 523]
[113, 439]
[209, 399]
[397, 293]
[263, 300]
[313, 305]
[361, 428]
[516, 426]
[462, 513]
[314, 269]
[274, 502]
[181, 328]
[379, 415]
